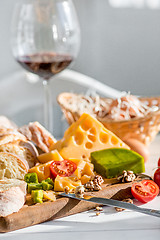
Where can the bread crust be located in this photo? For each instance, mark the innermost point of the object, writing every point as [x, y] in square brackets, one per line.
[30, 146]
[12, 196]
[36, 133]
[10, 137]
[6, 123]
[23, 149]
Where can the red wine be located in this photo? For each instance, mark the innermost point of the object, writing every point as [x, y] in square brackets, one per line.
[45, 64]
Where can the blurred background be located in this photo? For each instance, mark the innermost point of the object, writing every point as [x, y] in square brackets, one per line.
[120, 45]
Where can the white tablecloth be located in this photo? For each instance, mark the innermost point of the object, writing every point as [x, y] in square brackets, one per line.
[108, 225]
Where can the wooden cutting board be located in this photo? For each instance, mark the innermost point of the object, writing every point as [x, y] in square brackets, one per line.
[62, 207]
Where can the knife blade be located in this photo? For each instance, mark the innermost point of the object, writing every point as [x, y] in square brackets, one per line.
[113, 203]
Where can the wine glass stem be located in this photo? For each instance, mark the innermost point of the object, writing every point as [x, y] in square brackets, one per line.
[48, 108]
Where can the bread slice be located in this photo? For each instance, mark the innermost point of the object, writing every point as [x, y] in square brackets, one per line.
[23, 149]
[10, 137]
[12, 166]
[5, 131]
[36, 133]
[6, 123]
[12, 196]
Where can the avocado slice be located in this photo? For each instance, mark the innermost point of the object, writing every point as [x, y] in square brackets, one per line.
[111, 162]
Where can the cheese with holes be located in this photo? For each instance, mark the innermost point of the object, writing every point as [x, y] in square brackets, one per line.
[85, 136]
[42, 170]
[53, 155]
[62, 182]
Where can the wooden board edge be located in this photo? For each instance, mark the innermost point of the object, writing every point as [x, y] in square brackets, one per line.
[62, 207]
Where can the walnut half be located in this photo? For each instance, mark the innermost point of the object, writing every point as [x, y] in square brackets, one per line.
[126, 176]
[94, 184]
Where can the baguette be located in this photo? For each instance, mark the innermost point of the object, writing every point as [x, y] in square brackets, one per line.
[23, 149]
[36, 133]
[5, 131]
[11, 166]
[12, 196]
[10, 137]
[6, 123]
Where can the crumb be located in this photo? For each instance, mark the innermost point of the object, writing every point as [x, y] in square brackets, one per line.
[66, 189]
[99, 209]
[97, 213]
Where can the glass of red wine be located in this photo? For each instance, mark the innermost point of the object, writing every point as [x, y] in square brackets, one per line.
[45, 40]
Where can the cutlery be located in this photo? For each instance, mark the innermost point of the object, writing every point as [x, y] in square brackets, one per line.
[113, 203]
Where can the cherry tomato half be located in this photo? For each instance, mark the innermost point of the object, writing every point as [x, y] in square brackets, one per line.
[159, 162]
[145, 190]
[157, 177]
[63, 168]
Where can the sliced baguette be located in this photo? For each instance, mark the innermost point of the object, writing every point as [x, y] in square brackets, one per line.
[12, 166]
[6, 123]
[23, 149]
[36, 133]
[10, 137]
[12, 196]
[5, 131]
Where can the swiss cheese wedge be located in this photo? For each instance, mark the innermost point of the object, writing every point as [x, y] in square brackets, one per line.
[85, 136]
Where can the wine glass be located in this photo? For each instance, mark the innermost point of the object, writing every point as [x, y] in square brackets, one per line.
[45, 40]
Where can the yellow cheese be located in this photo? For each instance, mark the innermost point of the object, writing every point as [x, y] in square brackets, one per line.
[85, 179]
[85, 136]
[42, 170]
[62, 182]
[77, 174]
[53, 155]
[80, 166]
[49, 195]
[88, 169]
[83, 167]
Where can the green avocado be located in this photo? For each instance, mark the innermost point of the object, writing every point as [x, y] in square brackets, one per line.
[37, 196]
[112, 161]
[46, 186]
[31, 178]
[33, 186]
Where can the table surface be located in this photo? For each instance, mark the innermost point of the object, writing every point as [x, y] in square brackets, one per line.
[108, 225]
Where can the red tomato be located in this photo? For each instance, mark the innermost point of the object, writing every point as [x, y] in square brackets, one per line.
[145, 191]
[159, 162]
[63, 168]
[157, 177]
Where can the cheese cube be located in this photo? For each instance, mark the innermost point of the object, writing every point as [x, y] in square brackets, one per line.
[62, 182]
[85, 136]
[49, 195]
[53, 155]
[85, 179]
[88, 169]
[83, 167]
[42, 170]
